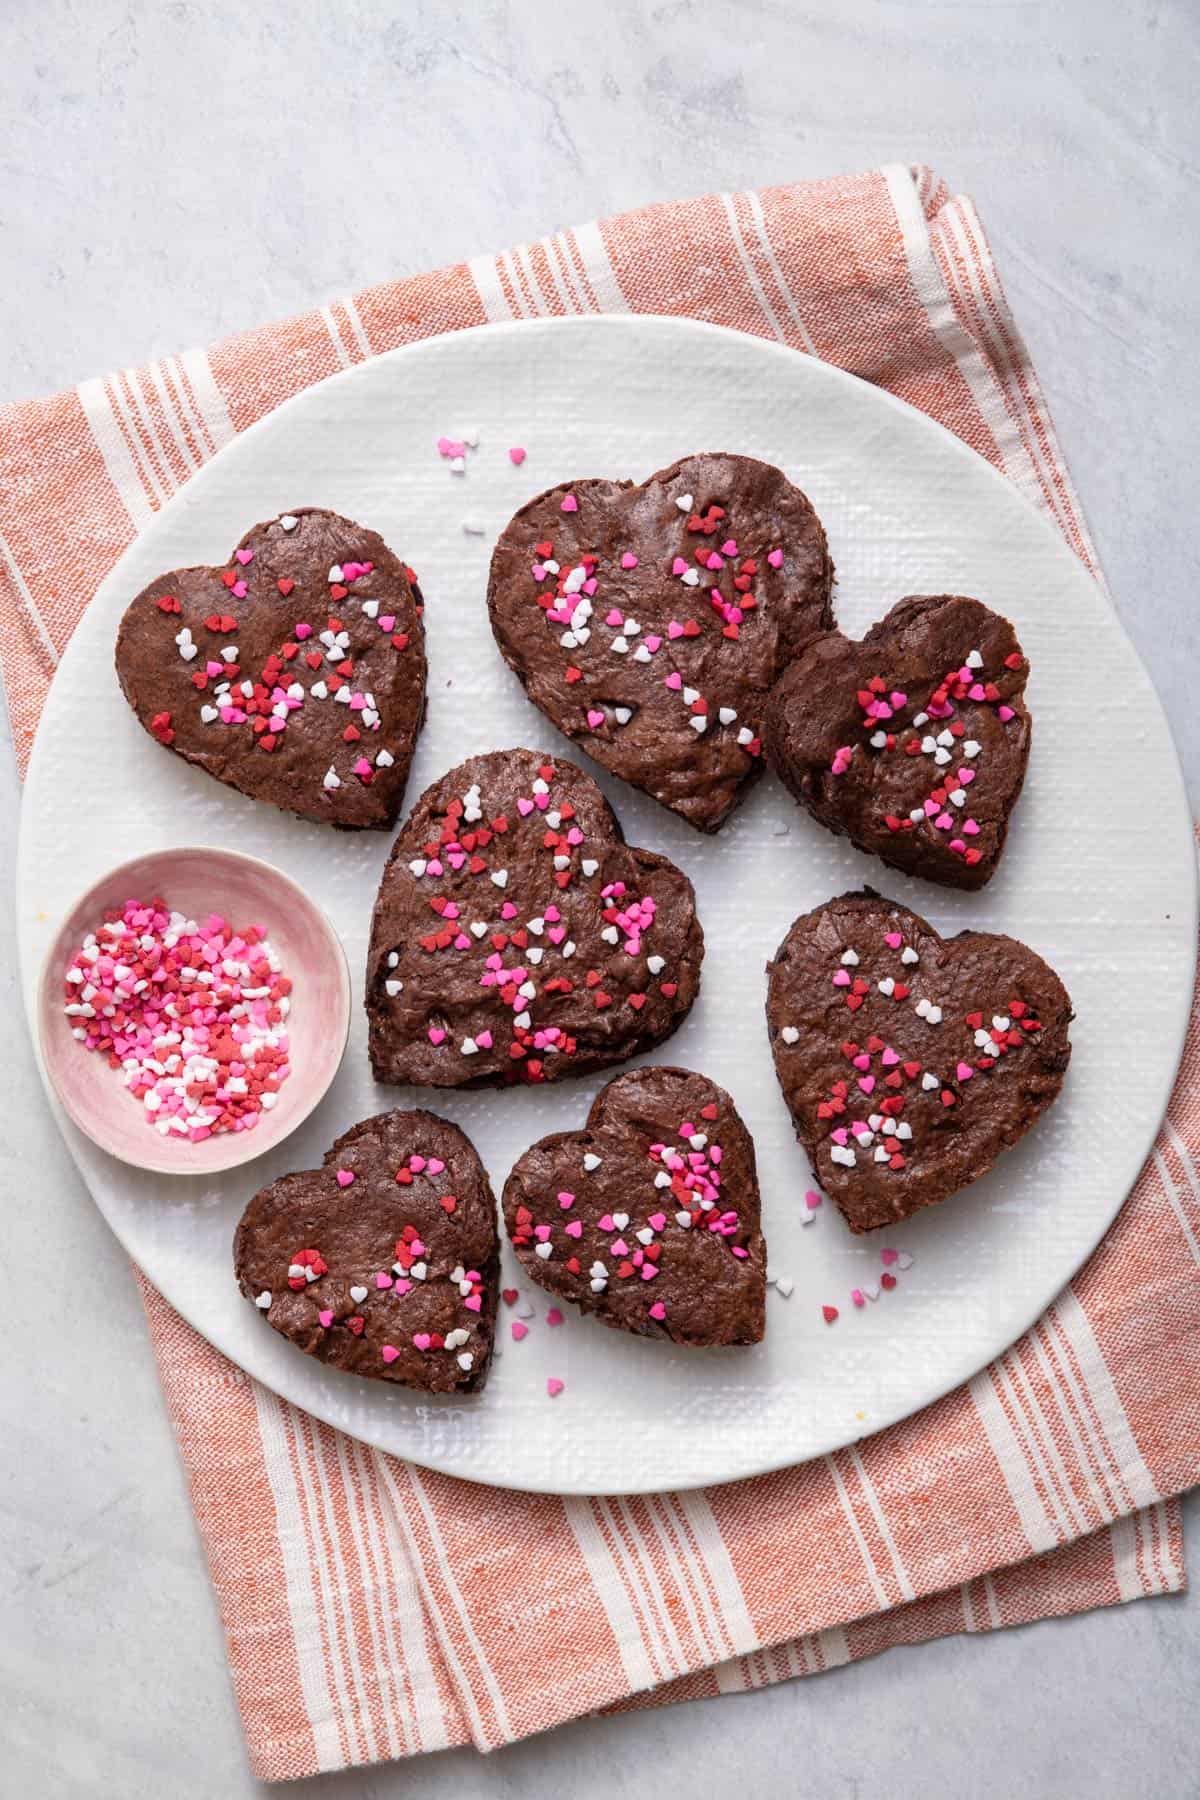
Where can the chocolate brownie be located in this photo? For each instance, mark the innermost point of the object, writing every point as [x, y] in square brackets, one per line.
[648, 622]
[517, 937]
[909, 1061]
[912, 742]
[649, 1217]
[295, 674]
[385, 1260]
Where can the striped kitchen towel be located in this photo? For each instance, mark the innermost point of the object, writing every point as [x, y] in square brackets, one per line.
[375, 1610]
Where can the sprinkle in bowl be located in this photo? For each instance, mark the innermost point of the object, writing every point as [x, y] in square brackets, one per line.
[198, 1085]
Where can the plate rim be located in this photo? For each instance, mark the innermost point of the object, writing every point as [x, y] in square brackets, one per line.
[818, 370]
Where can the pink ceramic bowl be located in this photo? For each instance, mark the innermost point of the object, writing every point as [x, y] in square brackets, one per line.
[198, 882]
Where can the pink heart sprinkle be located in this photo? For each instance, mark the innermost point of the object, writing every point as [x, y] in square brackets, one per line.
[383, 1280]
[649, 1271]
[574, 1228]
[519, 1330]
[422, 1340]
[554, 1317]
[326, 1319]
[508, 910]
[889, 1058]
[606, 1223]
[239, 590]
[389, 1353]
[516, 455]
[812, 1200]
[629, 560]
[484, 1040]
[541, 1233]
[893, 939]
[1005, 713]
[966, 776]
[964, 1071]
[674, 681]
[970, 828]
[473, 1302]
[674, 629]
[244, 556]
[566, 1200]
[679, 566]
[387, 621]
[595, 719]
[524, 805]
[840, 978]
[862, 1061]
[345, 1177]
[658, 1310]
[840, 1135]
[570, 504]
[889, 1256]
[436, 1034]
[554, 1387]
[302, 631]
[729, 548]
[867, 1083]
[656, 1221]
[613, 617]
[653, 643]
[775, 558]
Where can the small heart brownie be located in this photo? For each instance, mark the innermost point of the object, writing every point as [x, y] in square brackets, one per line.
[909, 1061]
[648, 623]
[912, 742]
[384, 1262]
[296, 674]
[517, 937]
[649, 1217]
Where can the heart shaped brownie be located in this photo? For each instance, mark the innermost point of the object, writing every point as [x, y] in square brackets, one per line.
[909, 1061]
[385, 1261]
[517, 937]
[912, 742]
[295, 674]
[648, 623]
[649, 1217]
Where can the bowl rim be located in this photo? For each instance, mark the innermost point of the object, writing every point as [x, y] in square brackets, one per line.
[243, 1147]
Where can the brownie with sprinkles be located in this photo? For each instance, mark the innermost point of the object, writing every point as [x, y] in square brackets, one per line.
[648, 622]
[909, 1061]
[518, 938]
[294, 673]
[913, 741]
[649, 1217]
[385, 1261]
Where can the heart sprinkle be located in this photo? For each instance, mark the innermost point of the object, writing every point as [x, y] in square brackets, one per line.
[204, 1056]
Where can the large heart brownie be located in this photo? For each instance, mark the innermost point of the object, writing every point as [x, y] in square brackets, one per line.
[649, 1216]
[913, 742]
[517, 937]
[909, 1061]
[295, 674]
[648, 623]
[384, 1261]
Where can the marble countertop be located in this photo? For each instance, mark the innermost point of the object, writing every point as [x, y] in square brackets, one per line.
[172, 172]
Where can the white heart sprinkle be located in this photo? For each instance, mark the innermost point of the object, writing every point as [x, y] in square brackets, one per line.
[468, 1047]
[332, 780]
[590, 1161]
[850, 958]
[685, 502]
[262, 1301]
[289, 521]
[929, 1082]
[543, 1250]
[499, 878]
[789, 1034]
[727, 715]
[656, 964]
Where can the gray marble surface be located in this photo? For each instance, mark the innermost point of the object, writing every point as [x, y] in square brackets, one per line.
[171, 171]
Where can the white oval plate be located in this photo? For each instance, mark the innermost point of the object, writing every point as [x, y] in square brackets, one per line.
[1099, 876]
